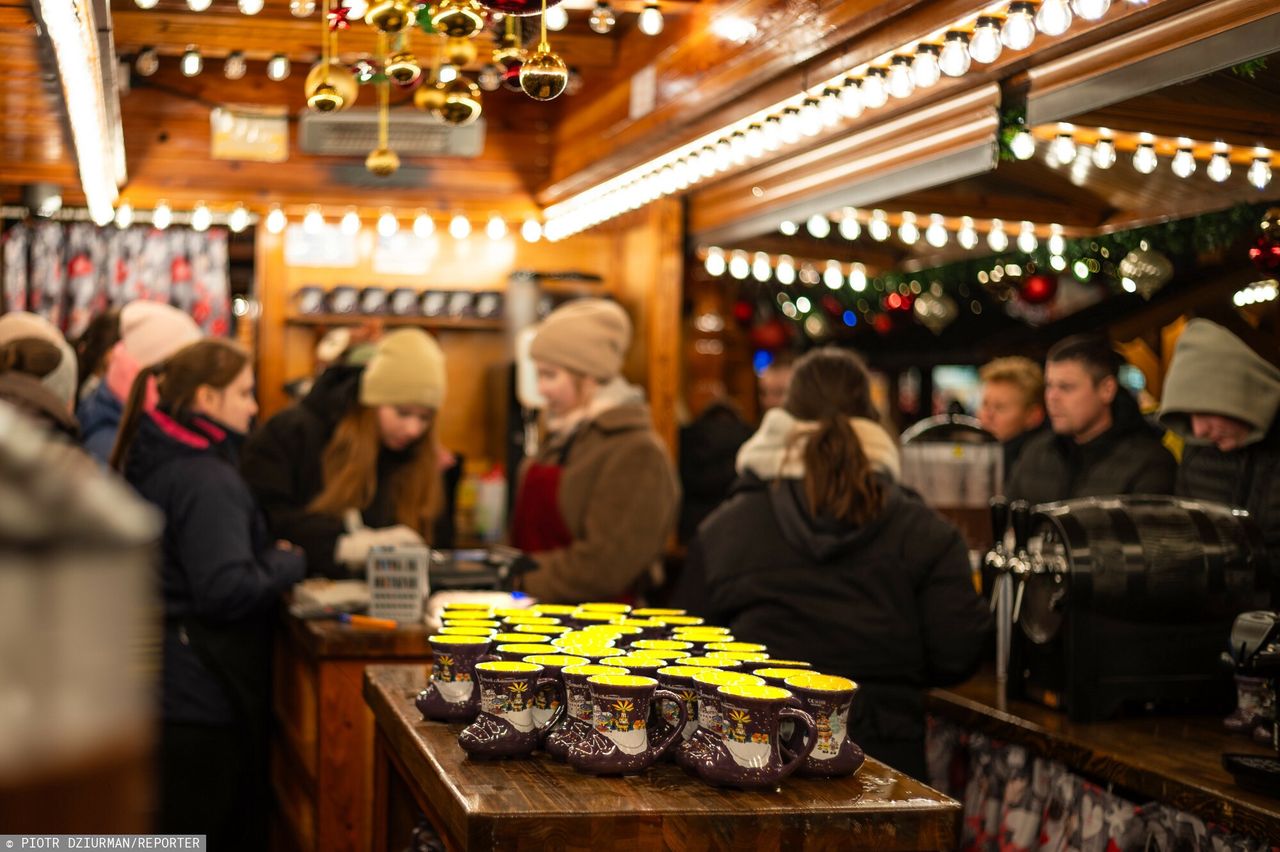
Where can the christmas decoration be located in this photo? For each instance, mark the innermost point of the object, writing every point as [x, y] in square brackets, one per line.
[1038, 289]
[458, 18]
[1265, 252]
[390, 17]
[402, 68]
[935, 310]
[1147, 270]
[543, 76]
[462, 103]
[519, 8]
[330, 87]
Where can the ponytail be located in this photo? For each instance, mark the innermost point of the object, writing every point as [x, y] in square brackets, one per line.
[838, 478]
[134, 408]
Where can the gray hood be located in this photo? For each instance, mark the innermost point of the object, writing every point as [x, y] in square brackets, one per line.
[1215, 372]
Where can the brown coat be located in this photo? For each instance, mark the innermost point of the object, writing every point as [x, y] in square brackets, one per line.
[619, 497]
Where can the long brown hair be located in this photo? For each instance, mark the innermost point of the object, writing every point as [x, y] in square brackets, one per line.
[829, 386]
[350, 467]
[213, 362]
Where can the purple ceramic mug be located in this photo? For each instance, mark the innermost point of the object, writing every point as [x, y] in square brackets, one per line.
[451, 695]
[577, 720]
[705, 739]
[678, 679]
[505, 727]
[827, 699]
[620, 742]
[752, 757]
[546, 701]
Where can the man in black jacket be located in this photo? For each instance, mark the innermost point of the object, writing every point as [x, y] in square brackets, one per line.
[1099, 445]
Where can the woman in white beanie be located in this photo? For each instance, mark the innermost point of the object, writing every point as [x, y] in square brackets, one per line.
[596, 504]
[356, 464]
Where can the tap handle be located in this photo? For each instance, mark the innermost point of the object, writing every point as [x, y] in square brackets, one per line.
[999, 518]
[1020, 510]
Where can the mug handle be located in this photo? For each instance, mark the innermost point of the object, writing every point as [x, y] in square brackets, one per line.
[789, 744]
[554, 684]
[656, 750]
[806, 745]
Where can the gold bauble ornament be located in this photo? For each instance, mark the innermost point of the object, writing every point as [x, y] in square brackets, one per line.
[509, 48]
[460, 51]
[390, 16]
[458, 18]
[462, 104]
[544, 75]
[330, 89]
[382, 162]
[430, 97]
[402, 68]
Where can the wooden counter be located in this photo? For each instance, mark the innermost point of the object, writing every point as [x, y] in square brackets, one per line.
[541, 804]
[322, 743]
[1176, 760]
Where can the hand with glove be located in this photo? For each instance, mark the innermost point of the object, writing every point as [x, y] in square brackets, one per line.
[353, 548]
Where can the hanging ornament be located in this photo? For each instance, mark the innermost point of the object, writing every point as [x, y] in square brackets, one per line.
[402, 67]
[936, 311]
[1148, 270]
[430, 97]
[770, 334]
[544, 75]
[1038, 289]
[460, 51]
[462, 104]
[1265, 252]
[883, 324]
[391, 16]
[743, 312]
[510, 54]
[520, 8]
[382, 161]
[490, 77]
[458, 18]
[330, 86]
[338, 18]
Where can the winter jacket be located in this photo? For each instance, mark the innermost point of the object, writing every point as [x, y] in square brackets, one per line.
[890, 604]
[99, 414]
[220, 572]
[1126, 459]
[1214, 372]
[618, 498]
[283, 465]
[708, 447]
[1014, 446]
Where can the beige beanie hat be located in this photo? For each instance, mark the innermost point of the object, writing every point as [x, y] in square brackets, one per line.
[21, 325]
[406, 369]
[588, 336]
[154, 332]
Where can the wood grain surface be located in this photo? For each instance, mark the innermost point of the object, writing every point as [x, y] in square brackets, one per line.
[540, 804]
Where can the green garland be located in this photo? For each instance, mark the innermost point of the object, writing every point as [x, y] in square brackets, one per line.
[1013, 120]
[1251, 68]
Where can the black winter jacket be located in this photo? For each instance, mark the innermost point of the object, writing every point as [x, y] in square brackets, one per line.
[220, 572]
[708, 449]
[1126, 459]
[282, 464]
[890, 604]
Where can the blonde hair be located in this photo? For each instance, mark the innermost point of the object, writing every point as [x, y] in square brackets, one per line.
[1022, 373]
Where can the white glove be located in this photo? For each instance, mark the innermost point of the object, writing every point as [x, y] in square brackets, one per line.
[353, 548]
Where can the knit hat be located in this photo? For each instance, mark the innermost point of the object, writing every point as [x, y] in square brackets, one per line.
[153, 331]
[588, 336]
[406, 369]
[20, 325]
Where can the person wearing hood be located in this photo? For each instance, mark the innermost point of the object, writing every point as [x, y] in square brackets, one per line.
[17, 327]
[221, 575]
[356, 464]
[1222, 398]
[150, 332]
[1099, 444]
[822, 556]
[595, 505]
[38, 371]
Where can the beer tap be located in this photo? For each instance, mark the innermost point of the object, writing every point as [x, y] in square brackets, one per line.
[998, 562]
[1021, 563]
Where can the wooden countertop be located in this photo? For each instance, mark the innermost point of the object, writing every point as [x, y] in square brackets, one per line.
[541, 804]
[1172, 759]
[331, 639]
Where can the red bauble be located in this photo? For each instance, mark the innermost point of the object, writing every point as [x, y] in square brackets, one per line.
[743, 312]
[1265, 254]
[1038, 289]
[519, 8]
[883, 323]
[832, 305]
[511, 75]
[769, 335]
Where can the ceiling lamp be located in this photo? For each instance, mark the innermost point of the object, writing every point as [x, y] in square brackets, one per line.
[201, 217]
[925, 70]
[833, 275]
[874, 92]
[161, 216]
[967, 236]
[739, 265]
[531, 231]
[147, 62]
[997, 239]
[858, 278]
[124, 215]
[954, 59]
[936, 234]
[818, 226]
[851, 97]
[785, 271]
[1260, 171]
[192, 63]
[650, 21]
[714, 262]
[1091, 10]
[1184, 161]
[556, 18]
[350, 224]
[1023, 145]
[278, 67]
[1145, 159]
[1054, 17]
[495, 229]
[1019, 28]
[250, 7]
[302, 8]
[1219, 168]
[1064, 148]
[985, 44]
[1057, 242]
[1104, 153]
[849, 227]
[908, 231]
[146, 4]
[1027, 241]
[899, 81]
[388, 225]
[199, 5]
[234, 67]
[239, 219]
[313, 222]
[276, 220]
[788, 228]
[603, 18]
[459, 227]
[878, 227]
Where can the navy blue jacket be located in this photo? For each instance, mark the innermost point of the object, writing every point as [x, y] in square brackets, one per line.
[220, 573]
[99, 414]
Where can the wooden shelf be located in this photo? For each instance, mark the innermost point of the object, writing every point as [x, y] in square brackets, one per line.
[443, 323]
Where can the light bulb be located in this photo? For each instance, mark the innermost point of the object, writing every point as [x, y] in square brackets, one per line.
[201, 217]
[925, 69]
[234, 67]
[849, 227]
[1219, 168]
[302, 8]
[1019, 28]
[810, 117]
[1104, 153]
[761, 270]
[706, 162]
[851, 97]
[788, 228]
[899, 81]
[818, 226]
[192, 63]
[997, 239]
[789, 125]
[557, 18]
[967, 236]
[829, 106]
[531, 231]
[496, 229]
[985, 44]
[1184, 163]
[146, 4]
[276, 220]
[459, 227]
[350, 224]
[278, 67]
[1145, 159]
[936, 234]
[650, 21]
[954, 58]
[124, 215]
[1054, 17]
[250, 7]
[833, 275]
[1058, 262]
[803, 304]
[1260, 172]
[1057, 242]
[239, 219]
[772, 133]
[785, 271]
[858, 278]
[739, 265]
[1023, 145]
[313, 222]
[147, 62]
[755, 141]
[878, 227]
[199, 5]
[358, 9]
[1091, 10]
[714, 263]
[387, 224]
[1064, 148]
[873, 89]
[161, 216]
[603, 18]
[1027, 241]
[738, 150]
[908, 232]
